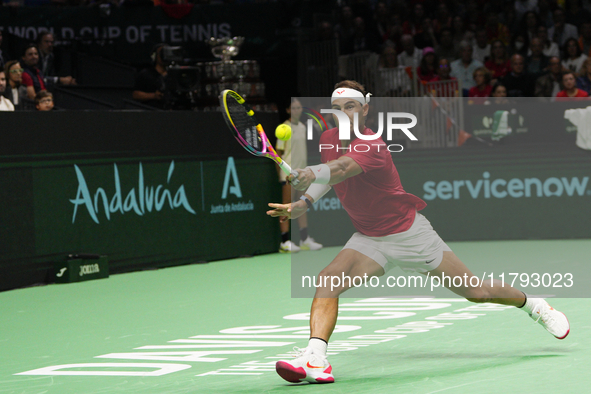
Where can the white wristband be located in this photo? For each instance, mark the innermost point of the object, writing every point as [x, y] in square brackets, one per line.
[322, 172]
[316, 191]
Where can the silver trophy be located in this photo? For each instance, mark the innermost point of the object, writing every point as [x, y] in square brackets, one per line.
[225, 48]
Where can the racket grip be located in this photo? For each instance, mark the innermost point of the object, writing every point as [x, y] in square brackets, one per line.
[295, 179]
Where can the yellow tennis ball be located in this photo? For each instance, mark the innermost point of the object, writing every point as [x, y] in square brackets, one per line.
[283, 132]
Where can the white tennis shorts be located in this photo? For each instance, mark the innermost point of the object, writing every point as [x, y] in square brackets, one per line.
[418, 249]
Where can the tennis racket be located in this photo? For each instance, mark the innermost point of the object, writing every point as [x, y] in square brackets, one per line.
[248, 131]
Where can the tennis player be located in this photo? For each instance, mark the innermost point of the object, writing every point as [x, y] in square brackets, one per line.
[390, 232]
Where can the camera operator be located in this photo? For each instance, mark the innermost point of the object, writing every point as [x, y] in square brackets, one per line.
[150, 84]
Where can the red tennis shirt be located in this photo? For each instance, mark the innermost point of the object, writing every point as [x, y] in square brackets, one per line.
[375, 200]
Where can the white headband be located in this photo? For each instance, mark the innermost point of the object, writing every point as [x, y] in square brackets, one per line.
[350, 93]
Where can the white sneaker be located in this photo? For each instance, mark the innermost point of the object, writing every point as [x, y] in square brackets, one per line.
[310, 244]
[552, 320]
[307, 366]
[288, 247]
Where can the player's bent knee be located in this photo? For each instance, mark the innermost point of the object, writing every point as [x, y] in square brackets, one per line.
[331, 282]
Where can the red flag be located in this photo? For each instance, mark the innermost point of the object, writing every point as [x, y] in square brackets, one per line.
[463, 137]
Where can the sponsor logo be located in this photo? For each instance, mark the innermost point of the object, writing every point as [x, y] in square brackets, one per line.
[141, 200]
[89, 269]
[61, 273]
[502, 188]
[234, 188]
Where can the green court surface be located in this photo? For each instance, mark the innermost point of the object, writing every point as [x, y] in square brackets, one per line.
[219, 328]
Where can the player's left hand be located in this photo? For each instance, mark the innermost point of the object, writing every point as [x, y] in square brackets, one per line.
[283, 211]
[287, 211]
[305, 178]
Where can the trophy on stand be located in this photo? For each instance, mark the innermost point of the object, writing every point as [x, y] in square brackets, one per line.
[242, 76]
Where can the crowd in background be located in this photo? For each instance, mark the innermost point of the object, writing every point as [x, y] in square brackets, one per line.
[489, 48]
[117, 3]
[519, 48]
[25, 80]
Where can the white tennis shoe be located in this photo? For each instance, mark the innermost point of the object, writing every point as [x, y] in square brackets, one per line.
[307, 366]
[310, 244]
[288, 247]
[552, 320]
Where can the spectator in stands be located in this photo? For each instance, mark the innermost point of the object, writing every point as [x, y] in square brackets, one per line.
[362, 40]
[518, 83]
[443, 19]
[495, 30]
[585, 38]
[428, 68]
[345, 28]
[388, 58]
[498, 95]
[561, 31]
[537, 62]
[381, 18]
[545, 13]
[449, 85]
[498, 64]
[415, 24]
[573, 57]
[427, 37]
[481, 48]
[463, 68]
[5, 104]
[44, 101]
[575, 14]
[529, 25]
[508, 17]
[499, 90]
[395, 81]
[15, 91]
[446, 48]
[482, 77]
[584, 81]
[444, 71]
[394, 31]
[473, 15]
[150, 84]
[4, 58]
[32, 77]
[325, 31]
[550, 84]
[550, 47]
[523, 6]
[459, 31]
[411, 55]
[47, 61]
[519, 45]
[570, 87]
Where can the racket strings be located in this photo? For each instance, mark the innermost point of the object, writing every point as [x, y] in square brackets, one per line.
[245, 125]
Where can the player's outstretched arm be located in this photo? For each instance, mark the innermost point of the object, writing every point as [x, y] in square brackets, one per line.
[330, 173]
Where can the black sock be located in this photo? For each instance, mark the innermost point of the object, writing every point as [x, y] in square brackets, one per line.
[285, 236]
[303, 234]
[320, 339]
[524, 302]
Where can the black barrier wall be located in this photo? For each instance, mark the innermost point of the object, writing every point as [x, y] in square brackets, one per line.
[145, 189]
